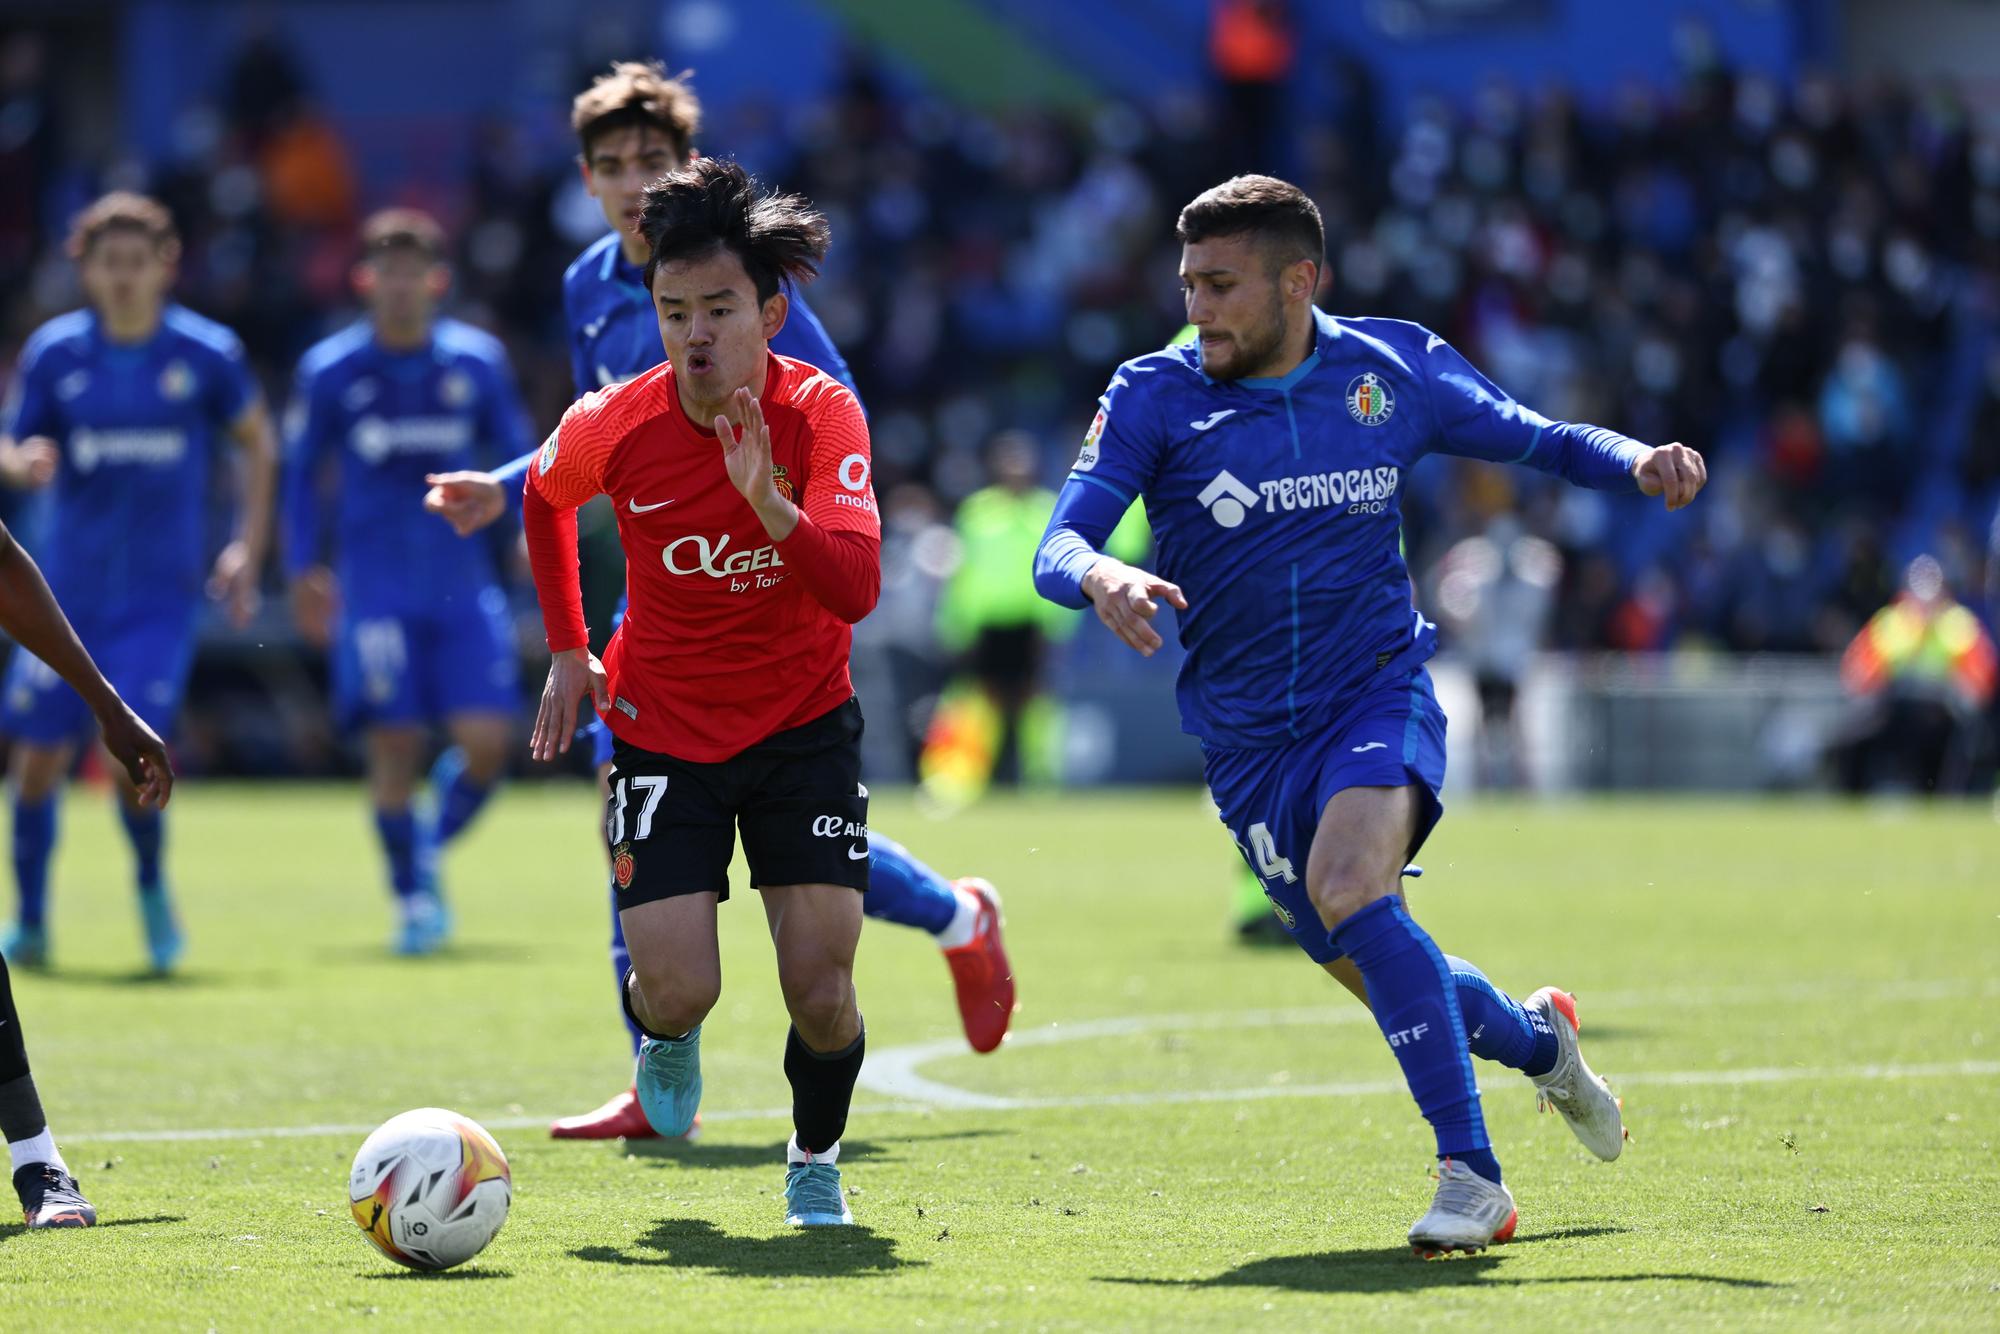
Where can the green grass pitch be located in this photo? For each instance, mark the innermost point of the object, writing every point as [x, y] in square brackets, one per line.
[1797, 1002]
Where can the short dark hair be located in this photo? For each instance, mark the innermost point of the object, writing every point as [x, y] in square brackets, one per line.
[713, 204]
[395, 229]
[1281, 215]
[125, 211]
[638, 92]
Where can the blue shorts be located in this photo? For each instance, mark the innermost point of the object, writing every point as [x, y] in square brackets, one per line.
[144, 653]
[601, 740]
[454, 657]
[1271, 799]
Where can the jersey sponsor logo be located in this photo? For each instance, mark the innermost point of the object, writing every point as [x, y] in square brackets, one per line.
[378, 438]
[1210, 422]
[854, 472]
[176, 381]
[547, 459]
[1086, 458]
[694, 554]
[159, 447]
[1227, 500]
[1369, 400]
[836, 826]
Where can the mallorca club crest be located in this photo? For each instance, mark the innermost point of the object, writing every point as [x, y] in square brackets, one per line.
[781, 480]
[1369, 400]
[622, 865]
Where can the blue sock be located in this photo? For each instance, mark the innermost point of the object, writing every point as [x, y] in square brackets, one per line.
[1415, 1004]
[398, 830]
[147, 831]
[1500, 1028]
[34, 840]
[458, 797]
[903, 890]
[621, 963]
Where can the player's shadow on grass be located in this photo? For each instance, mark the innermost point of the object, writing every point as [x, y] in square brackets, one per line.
[820, 1252]
[457, 952]
[1394, 1269]
[706, 1155]
[181, 979]
[13, 1229]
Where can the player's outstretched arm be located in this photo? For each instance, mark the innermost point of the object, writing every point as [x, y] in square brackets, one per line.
[1673, 471]
[1072, 570]
[28, 612]
[468, 501]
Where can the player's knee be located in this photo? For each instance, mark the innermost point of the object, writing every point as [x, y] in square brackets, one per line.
[819, 1000]
[1344, 888]
[674, 1000]
[486, 759]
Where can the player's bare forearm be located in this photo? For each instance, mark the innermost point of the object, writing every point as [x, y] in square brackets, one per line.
[30, 616]
[1127, 599]
[258, 442]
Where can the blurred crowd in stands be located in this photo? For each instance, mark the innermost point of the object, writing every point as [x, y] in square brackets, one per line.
[1802, 281]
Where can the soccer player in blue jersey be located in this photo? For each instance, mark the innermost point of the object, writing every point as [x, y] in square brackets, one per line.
[633, 126]
[418, 622]
[122, 409]
[1271, 458]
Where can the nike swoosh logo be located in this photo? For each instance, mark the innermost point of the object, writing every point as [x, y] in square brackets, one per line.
[1373, 745]
[634, 505]
[1205, 425]
[857, 854]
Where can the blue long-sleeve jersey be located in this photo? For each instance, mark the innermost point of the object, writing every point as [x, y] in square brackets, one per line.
[1276, 506]
[383, 418]
[138, 426]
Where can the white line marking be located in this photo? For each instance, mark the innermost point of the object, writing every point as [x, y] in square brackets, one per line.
[893, 1071]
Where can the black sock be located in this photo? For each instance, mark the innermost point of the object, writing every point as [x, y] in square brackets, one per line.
[822, 1089]
[20, 1108]
[625, 999]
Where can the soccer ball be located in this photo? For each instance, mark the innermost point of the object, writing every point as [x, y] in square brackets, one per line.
[430, 1188]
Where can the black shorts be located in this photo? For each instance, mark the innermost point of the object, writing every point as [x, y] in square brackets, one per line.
[796, 795]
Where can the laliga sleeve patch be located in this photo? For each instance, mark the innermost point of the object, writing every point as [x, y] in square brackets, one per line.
[548, 455]
[1086, 458]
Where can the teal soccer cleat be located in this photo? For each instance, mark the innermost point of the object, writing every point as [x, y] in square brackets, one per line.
[813, 1197]
[668, 1081]
[164, 942]
[26, 946]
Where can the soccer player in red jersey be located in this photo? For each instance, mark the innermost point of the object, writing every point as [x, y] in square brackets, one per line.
[752, 543]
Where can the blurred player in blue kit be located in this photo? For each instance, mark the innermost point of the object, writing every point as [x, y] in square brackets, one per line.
[418, 622]
[634, 125]
[122, 409]
[1271, 456]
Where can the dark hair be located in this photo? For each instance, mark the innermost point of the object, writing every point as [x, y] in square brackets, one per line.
[637, 92]
[713, 204]
[125, 211]
[402, 229]
[1281, 215]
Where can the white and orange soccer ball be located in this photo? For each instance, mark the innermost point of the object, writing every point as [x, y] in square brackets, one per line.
[430, 1188]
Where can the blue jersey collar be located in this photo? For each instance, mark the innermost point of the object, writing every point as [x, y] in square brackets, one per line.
[1323, 330]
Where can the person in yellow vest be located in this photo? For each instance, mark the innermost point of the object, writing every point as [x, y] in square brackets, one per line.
[1927, 670]
[994, 720]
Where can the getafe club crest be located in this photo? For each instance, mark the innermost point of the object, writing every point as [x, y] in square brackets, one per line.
[176, 381]
[455, 389]
[1369, 400]
[781, 481]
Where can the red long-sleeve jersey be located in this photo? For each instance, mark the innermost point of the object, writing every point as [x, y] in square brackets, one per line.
[728, 637]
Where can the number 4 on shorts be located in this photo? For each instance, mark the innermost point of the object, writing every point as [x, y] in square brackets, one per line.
[1264, 854]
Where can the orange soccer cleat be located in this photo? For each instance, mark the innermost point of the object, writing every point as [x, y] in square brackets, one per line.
[621, 1118]
[980, 972]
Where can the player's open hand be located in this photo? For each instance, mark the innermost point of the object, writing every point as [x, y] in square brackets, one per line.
[1127, 599]
[139, 749]
[468, 501]
[233, 582]
[747, 453]
[315, 603]
[29, 465]
[572, 675]
[1673, 471]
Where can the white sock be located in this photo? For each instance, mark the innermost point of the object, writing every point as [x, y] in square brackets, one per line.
[963, 922]
[794, 1154]
[36, 1149]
